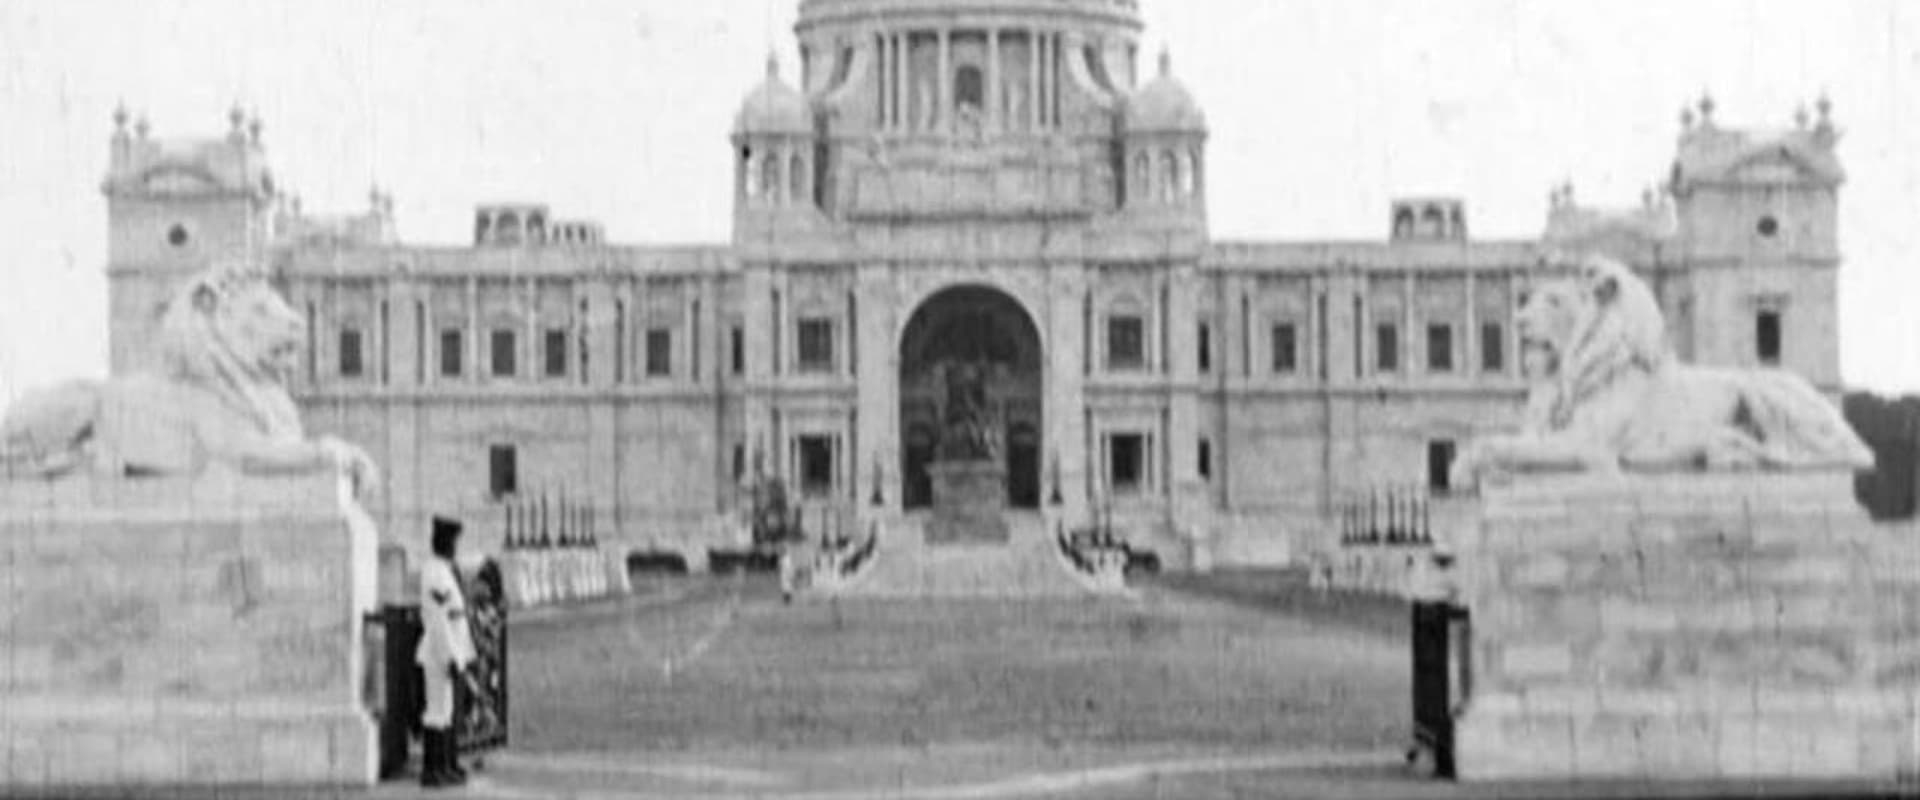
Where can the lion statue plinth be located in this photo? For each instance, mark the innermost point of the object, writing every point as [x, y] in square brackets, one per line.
[1609, 395]
[217, 397]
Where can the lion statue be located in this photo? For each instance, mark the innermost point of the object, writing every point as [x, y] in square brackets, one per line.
[1609, 394]
[226, 342]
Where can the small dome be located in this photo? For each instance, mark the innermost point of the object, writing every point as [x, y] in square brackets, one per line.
[774, 107]
[1164, 105]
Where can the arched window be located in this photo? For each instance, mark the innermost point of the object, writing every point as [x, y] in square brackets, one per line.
[506, 228]
[969, 89]
[1403, 223]
[797, 178]
[537, 228]
[1143, 176]
[1184, 173]
[749, 172]
[1170, 177]
[770, 176]
[1433, 223]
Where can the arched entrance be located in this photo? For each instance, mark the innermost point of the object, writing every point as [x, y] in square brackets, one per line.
[970, 352]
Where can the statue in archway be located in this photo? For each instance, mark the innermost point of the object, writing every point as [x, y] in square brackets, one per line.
[969, 432]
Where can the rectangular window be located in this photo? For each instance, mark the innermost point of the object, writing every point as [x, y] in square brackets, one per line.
[351, 365]
[556, 353]
[1766, 337]
[816, 466]
[503, 341]
[1286, 348]
[1205, 343]
[1386, 347]
[452, 351]
[1206, 459]
[816, 345]
[739, 348]
[1440, 347]
[1439, 464]
[739, 461]
[659, 352]
[1493, 347]
[1126, 343]
[503, 470]
[1126, 462]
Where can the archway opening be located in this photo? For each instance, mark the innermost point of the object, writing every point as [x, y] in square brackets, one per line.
[971, 383]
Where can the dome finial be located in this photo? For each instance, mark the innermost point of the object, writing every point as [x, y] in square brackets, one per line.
[1824, 105]
[1706, 106]
[120, 116]
[236, 117]
[1166, 62]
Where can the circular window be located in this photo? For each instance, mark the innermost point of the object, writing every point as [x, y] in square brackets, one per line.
[177, 236]
[1768, 226]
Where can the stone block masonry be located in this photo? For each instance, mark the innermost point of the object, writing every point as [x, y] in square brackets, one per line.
[176, 632]
[1693, 627]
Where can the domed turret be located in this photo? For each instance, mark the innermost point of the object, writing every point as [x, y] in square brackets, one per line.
[1164, 105]
[774, 108]
[1165, 143]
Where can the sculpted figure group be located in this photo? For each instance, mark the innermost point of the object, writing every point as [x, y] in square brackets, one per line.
[1610, 395]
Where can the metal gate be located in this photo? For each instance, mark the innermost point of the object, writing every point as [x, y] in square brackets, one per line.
[480, 716]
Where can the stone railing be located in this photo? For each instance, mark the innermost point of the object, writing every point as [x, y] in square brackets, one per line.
[1384, 538]
[1094, 553]
[842, 560]
[553, 555]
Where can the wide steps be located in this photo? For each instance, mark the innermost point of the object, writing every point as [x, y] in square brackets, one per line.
[1026, 566]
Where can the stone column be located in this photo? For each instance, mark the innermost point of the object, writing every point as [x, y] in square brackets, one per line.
[902, 83]
[943, 113]
[1407, 321]
[472, 343]
[525, 349]
[994, 116]
[1033, 79]
[1183, 372]
[1471, 336]
[1066, 425]
[877, 423]
[757, 308]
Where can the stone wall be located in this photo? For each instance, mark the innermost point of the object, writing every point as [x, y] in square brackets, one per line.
[183, 632]
[1735, 626]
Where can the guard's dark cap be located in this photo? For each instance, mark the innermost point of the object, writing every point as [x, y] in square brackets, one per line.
[445, 532]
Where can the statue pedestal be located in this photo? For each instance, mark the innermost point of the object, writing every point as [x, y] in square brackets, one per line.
[968, 500]
[177, 631]
[1733, 627]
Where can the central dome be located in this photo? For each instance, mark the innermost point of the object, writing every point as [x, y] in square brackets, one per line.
[816, 12]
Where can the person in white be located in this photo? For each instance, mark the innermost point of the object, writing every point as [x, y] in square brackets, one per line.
[445, 653]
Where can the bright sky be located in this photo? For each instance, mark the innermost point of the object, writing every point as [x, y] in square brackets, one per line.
[619, 110]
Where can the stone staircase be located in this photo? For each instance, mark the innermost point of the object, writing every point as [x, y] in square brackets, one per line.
[1029, 564]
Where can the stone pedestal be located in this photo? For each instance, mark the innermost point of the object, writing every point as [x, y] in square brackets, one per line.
[176, 632]
[969, 501]
[1689, 627]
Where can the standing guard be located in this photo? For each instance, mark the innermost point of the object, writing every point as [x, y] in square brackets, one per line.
[446, 652]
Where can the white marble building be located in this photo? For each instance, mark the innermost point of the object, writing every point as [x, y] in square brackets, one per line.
[1006, 181]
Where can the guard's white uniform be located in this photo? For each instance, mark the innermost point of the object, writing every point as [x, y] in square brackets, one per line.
[445, 641]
